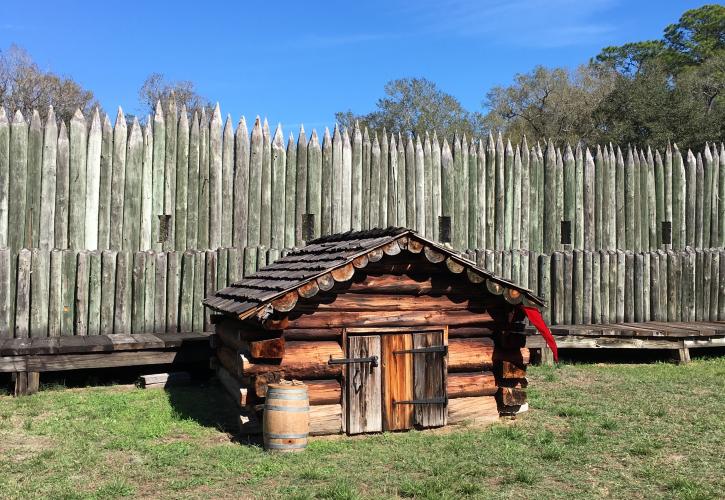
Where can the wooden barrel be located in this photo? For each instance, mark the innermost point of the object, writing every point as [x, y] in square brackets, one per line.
[286, 417]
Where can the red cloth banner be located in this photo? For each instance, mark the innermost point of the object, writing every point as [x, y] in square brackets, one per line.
[535, 318]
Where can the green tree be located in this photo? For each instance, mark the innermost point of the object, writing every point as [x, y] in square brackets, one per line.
[416, 105]
[549, 103]
[668, 89]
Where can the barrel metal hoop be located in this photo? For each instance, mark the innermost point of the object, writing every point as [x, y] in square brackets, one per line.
[275, 446]
[292, 391]
[288, 409]
[288, 397]
[270, 435]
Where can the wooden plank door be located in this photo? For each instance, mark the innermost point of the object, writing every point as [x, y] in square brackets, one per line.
[429, 380]
[397, 382]
[363, 381]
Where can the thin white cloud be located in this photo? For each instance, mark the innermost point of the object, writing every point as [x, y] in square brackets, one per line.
[550, 23]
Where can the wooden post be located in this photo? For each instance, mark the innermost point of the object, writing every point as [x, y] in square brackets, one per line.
[48, 182]
[145, 238]
[18, 180]
[118, 181]
[227, 184]
[346, 215]
[202, 233]
[5, 174]
[679, 188]
[93, 179]
[192, 186]
[132, 201]
[172, 124]
[490, 204]
[499, 207]
[138, 293]
[40, 269]
[356, 179]
[290, 195]
[55, 293]
[376, 204]
[327, 184]
[410, 170]
[182, 180]
[241, 184]
[255, 186]
[160, 293]
[301, 195]
[420, 180]
[336, 180]
[278, 189]
[215, 181]
[157, 190]
[35, 154]
[384, 196]
[314, 181]
[447, 188]
[508, 185]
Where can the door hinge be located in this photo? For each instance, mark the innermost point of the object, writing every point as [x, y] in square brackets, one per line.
[432, 401]
[373, 360]
[420, 350]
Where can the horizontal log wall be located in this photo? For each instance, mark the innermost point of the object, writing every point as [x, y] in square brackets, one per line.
[66, 292]
[486, 372]
[177, 182]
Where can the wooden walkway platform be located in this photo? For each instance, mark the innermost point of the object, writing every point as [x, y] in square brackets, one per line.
[650, 335]
[27, 358]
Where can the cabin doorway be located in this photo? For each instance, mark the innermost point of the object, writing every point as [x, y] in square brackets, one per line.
[395, 380]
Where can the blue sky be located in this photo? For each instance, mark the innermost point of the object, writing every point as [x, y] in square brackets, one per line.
[303, 61]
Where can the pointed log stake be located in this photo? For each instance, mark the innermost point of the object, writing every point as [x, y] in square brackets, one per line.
[309, 289]
[286, 302]
[360, 262]
[454, 266]
[326, 282]
[391, 248]
[474, 276]
[343, 273]
[375, 255]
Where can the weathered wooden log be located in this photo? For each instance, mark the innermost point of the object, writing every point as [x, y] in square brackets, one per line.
[387, 302]
[325, 419]
[302, 360]
[472, 331]
[481, 409]
[464, 385]
[325, 319]
[470, 354]
[312, 333]
[267, 349]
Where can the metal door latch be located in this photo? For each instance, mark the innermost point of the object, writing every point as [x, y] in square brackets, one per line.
[373, 360]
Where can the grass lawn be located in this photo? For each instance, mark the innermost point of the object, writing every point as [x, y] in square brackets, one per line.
[620, 431]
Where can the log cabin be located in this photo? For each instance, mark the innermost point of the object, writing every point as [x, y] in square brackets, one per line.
[388, 330]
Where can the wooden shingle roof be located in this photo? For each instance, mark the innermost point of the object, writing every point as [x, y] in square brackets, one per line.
[322, 262]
